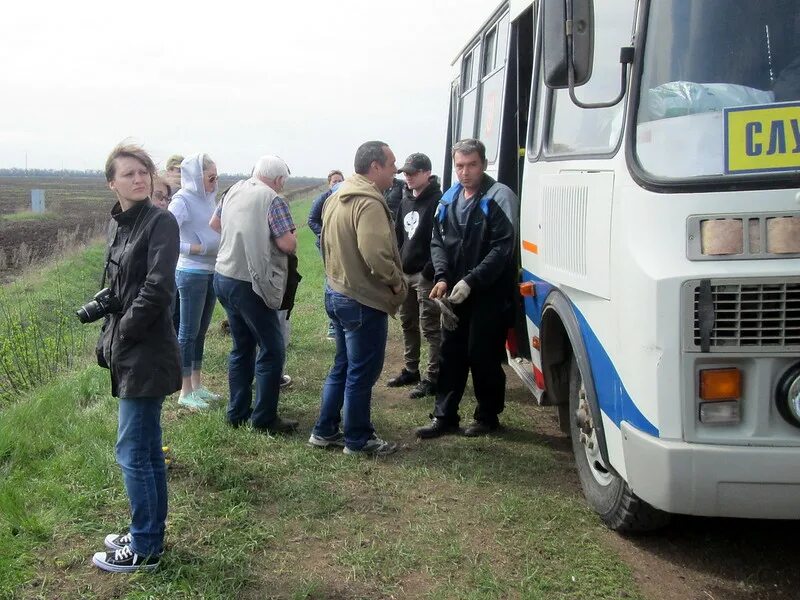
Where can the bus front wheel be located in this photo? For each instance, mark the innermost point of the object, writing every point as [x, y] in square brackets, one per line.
[607, 493]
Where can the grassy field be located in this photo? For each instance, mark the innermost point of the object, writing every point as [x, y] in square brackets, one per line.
[28, 216]
[77, 211]
[253, 516]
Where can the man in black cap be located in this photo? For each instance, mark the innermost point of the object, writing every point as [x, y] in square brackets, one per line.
[413, 224]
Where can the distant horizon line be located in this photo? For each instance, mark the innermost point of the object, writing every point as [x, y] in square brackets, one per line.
[16, 171]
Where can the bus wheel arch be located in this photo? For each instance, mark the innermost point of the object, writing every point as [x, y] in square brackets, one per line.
[568, 377]
[561, 343]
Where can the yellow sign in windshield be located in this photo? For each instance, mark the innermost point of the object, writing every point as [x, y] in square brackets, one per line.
[762, 138]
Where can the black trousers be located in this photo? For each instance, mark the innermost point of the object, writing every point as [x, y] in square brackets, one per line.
[477, 345]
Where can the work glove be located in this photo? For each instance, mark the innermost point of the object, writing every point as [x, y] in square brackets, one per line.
[448, 318]
[460, 292]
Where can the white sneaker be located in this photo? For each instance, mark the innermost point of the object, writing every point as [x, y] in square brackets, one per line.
[115, 541]
[193, 401]
[124, 560]
[374, 447]
[206, 394]
[321, 441]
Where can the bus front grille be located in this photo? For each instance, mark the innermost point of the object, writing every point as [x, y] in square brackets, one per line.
[760, 314]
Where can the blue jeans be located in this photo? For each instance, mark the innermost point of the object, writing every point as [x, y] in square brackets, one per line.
[252, 323]
[140, 455]
[361, 334]
[197, 299]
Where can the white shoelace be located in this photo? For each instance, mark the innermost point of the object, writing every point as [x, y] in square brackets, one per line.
[123, 553]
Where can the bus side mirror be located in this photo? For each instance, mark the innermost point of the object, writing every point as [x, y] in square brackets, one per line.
[565, 20]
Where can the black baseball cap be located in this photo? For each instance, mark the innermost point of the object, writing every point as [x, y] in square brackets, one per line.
[416, 162]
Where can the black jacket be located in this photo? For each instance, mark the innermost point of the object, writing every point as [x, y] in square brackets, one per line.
[138, 344]
[393, 196]
[414, 224]
[482, 254]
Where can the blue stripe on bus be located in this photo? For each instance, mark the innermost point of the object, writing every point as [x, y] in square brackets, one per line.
[614, 399]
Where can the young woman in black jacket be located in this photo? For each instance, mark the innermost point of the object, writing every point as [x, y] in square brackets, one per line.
[138, 345]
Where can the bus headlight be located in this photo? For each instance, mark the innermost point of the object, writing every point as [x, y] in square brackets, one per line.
[788, 396]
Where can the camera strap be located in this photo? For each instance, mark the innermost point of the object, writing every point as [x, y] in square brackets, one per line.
[105, 268]
[142, 212]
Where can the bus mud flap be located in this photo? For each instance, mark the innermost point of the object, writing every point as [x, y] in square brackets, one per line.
[705, 314]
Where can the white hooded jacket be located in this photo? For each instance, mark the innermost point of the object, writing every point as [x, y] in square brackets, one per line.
[192, 207]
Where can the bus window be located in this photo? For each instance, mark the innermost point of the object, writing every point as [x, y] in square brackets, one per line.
[491, 112]
[704, 57]
[469, 95]
[491, 92]
[467, 76]
[575, 130]
[466, 128]
[489, 52]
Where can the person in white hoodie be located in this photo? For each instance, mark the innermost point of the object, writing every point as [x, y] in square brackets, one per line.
[192, 207]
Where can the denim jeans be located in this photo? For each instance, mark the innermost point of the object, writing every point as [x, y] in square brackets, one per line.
[197, 299]
[252, 323]
[361, 334]
[140, 456]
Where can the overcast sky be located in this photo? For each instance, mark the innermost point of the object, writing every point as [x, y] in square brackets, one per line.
[308, 80]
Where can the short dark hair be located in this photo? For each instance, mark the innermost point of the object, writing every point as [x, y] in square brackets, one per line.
[335, 172]
[367, 153]
[133, 151]
[468, 146]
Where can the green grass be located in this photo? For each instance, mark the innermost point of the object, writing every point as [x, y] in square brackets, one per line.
[40, 335]
[253, 516]
[28, 216]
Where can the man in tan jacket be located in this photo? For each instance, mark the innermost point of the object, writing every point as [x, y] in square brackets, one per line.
[365, 285]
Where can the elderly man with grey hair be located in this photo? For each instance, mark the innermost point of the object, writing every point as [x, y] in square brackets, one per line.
[257, 237]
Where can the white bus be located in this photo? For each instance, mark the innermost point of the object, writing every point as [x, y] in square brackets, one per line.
[659, 240]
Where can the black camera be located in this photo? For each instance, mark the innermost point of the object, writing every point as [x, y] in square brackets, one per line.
[105, 302]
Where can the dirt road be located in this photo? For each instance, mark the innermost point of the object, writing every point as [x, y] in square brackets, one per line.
[693, 558]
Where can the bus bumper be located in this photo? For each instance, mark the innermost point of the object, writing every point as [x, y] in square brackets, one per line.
[716, 481]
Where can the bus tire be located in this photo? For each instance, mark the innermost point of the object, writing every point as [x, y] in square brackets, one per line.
[606, 492]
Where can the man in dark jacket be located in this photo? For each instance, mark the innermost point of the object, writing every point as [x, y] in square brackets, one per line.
[413, 225]
[393, 196]
[472, 248]
[335, 177]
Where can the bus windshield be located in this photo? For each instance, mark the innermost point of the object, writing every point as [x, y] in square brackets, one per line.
[720, 89]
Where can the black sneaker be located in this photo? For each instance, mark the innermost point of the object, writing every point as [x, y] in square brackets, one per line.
[279, 425]
[124, 560]
[406, 377]
[115, 541]
[424, 388]
[436, 428]
[325, 441]
[479, 428]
